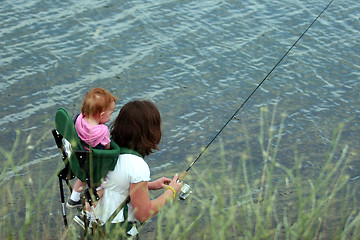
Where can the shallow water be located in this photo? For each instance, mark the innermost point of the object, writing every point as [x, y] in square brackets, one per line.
[197, 60]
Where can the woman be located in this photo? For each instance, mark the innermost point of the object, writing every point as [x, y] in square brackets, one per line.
[137, 127]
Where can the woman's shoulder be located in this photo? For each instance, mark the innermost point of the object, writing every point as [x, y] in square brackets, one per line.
[136, 167]
[129, 156]
[131, 160]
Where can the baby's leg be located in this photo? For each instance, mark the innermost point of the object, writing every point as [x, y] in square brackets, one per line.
[79, 186]
[100, 192]
[75, 201]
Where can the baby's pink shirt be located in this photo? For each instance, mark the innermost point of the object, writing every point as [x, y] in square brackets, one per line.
[92, 135]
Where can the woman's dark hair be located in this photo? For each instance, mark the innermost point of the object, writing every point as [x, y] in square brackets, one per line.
[138, 127]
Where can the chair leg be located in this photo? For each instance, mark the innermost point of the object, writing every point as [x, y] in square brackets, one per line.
[63, 202]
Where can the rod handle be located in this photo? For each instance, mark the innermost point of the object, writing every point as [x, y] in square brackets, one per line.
[182, 176]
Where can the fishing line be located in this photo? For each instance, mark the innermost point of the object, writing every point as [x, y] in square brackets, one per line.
[252, 93]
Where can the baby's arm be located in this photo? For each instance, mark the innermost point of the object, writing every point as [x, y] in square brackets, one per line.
[107, 146]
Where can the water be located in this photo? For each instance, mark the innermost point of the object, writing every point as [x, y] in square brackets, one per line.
[197, 60]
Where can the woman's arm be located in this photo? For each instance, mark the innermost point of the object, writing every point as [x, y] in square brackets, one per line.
[144, 207]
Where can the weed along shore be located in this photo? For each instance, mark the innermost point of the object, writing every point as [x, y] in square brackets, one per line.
[302, 200]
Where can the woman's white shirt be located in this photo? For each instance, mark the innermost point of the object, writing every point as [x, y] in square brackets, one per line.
[129, 169]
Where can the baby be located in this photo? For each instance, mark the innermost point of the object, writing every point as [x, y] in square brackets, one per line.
[96, 110]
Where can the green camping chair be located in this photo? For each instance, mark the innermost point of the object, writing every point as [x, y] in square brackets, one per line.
[90, 166]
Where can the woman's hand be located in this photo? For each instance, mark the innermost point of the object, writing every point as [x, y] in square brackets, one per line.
[139, 194]
[159, 183]
[164, 181]
[175, 184]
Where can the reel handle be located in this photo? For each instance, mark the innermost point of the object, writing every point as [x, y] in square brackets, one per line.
[185, 189]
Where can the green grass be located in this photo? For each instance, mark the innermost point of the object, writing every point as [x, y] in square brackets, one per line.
[228, 200]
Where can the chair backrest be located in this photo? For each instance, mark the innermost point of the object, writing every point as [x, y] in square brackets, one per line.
[93, 164]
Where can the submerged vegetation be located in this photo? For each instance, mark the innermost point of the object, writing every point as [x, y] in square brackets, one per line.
[228, 202]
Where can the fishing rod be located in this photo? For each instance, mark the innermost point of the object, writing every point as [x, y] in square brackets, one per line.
[183, 174]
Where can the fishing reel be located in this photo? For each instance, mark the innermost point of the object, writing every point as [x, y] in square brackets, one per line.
[185, 191]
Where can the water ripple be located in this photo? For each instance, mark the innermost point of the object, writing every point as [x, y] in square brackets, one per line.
[197, 60]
